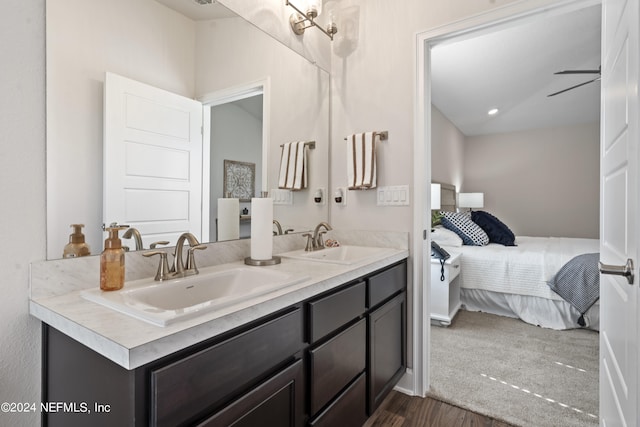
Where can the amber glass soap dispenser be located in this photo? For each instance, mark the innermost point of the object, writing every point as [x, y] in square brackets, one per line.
[76, 246]
[112, 262]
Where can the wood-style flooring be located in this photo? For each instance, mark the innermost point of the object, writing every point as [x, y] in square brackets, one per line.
[400, 410]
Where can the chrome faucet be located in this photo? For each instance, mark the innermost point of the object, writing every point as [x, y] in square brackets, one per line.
[136, 237]
[278, 226]
[317, 241]
[178, 268]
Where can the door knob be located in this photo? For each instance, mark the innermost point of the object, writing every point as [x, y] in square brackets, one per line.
[619, 270]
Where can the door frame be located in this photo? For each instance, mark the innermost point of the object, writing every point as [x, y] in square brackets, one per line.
[520, 11]
[224, 96]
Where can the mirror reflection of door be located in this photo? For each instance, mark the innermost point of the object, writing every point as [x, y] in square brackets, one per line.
[152, 161]
[236, 135]
[159, 176]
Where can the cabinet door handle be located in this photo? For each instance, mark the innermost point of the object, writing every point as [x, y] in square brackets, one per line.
[619, 270]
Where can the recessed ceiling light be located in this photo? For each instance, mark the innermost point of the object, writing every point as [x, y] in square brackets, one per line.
[493, 111]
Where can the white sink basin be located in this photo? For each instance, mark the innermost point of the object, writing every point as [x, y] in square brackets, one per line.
[341, 255]
[162, 303]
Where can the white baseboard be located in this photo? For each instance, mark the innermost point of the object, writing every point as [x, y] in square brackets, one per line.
[406, 385]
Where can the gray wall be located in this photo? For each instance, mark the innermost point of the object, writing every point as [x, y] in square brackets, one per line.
[540, 183]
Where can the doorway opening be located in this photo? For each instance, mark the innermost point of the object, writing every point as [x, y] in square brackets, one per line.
[462, 30]
[235, 142]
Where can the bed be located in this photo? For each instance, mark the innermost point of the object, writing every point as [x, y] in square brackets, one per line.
[513, 280]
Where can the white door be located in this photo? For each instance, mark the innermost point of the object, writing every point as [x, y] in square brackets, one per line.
[152, 160]
[619, 231]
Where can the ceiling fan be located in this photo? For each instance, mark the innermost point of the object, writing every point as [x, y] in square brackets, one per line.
[578, 85]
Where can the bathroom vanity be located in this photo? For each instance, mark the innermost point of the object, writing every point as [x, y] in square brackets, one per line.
[326, 354]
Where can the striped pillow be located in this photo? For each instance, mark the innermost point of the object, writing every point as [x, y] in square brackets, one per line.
[461, 224]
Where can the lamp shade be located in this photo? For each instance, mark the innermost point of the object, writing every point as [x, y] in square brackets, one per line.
[435, 196]
[471, 200]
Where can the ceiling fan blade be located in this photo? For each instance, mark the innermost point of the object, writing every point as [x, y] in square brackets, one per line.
[573, 87]
[578, 72]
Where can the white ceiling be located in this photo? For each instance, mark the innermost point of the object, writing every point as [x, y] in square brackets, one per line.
[512, 70]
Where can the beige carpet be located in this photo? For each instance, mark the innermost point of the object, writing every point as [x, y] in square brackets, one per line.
[516, 372]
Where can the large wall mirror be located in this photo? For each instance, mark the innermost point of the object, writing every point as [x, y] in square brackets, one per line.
[256, 94]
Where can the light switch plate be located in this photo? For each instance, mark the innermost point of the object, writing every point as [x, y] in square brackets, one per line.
[281, 197]
[395, 195]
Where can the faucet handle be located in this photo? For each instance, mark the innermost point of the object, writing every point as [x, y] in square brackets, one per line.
[310, 245]
[161, 242]
[191, 259]
[163, 272]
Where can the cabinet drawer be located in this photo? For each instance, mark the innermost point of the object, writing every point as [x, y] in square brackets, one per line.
[276, 402]
[387, 355]
[348, 410]
[335, 363]
[453, 269]
[331, 312]
[386, 283]
[450, 272]
[195, 384]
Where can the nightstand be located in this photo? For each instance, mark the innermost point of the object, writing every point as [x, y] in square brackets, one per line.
[445, 294]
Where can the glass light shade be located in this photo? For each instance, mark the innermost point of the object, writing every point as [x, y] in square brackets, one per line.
[435, 196]
[471, 200]
[314, 7]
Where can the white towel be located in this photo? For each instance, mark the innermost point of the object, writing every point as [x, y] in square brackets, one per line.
[293, 166]
[361, 161]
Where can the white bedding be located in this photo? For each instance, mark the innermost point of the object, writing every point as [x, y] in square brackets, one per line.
[547, 313]
[512, 280]
[523, 269]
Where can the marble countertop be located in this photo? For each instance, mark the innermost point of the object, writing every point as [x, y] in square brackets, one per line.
[131, 343]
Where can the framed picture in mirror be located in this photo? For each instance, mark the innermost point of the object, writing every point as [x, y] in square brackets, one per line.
[239, 180]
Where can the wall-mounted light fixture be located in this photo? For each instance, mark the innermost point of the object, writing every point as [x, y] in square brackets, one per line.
[301, 20]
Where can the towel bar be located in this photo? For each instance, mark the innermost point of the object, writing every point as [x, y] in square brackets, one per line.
[310, 144]
[383, 135]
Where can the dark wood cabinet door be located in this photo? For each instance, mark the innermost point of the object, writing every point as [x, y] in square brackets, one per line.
[387, 351]
[81, 379]
[335, 363]
[276, 402]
